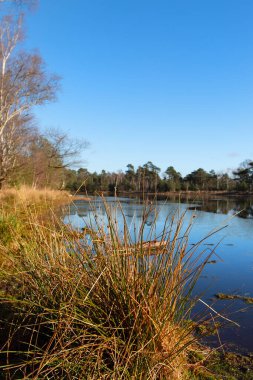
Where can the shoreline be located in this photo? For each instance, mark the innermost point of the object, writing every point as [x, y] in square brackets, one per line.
[193, 193]
[179, 194]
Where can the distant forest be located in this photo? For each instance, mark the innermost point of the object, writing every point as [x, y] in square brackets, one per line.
[149, 179]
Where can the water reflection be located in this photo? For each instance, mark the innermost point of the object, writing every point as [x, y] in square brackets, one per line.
[232, 271]
[242, 206]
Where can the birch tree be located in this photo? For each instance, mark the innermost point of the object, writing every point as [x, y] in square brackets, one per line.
[24, 84]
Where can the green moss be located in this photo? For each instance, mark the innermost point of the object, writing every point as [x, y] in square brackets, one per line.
[205, 328]
[219, 366]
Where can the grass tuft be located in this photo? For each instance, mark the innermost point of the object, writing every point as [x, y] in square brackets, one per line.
[98, 304]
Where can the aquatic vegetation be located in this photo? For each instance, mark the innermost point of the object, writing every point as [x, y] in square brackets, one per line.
[223, 296]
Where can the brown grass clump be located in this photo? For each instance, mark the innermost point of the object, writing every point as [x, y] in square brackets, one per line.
[27, 195]
[100, 306]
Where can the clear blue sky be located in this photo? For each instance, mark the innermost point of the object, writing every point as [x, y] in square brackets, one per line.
[162, 80]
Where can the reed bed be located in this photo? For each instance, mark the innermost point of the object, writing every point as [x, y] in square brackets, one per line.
[25, 195]
[101, 303]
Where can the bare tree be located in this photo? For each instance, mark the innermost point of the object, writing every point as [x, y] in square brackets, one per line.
[24, 84]
[42, 160]
[14, 147]
[63, 151]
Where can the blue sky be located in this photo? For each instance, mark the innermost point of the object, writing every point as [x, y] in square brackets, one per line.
[165, 81]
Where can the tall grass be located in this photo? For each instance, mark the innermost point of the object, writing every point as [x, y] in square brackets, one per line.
[99, 304]
[26, 195]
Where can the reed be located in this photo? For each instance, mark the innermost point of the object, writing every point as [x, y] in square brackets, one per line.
[25, 195]
[101, 303]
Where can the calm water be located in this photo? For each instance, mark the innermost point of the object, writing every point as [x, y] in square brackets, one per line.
[233, 271]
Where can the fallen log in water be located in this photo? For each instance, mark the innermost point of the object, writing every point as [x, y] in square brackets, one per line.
[147, 248]
[152, 247]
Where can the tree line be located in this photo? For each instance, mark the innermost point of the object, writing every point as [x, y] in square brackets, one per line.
[149, 179]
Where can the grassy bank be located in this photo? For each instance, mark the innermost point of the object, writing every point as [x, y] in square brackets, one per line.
[19, 206]
[16, 198]
[97, 304]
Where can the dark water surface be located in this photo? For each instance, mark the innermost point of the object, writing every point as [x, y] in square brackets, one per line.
[232, 273]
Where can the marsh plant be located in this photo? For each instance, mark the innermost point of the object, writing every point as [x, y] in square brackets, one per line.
[107, 302]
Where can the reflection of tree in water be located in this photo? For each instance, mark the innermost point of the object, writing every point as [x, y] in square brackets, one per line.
[133, 209]
[246, 212]
[242, 207]
[218, 206]
[82, 214]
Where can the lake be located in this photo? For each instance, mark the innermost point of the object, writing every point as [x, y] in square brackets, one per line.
[232, 271]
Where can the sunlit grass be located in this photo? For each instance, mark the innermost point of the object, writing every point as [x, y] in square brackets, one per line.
[27, 195]
[99, 304]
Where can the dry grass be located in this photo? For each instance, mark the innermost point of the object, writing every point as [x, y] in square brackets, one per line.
[100, 307]
[27, 195]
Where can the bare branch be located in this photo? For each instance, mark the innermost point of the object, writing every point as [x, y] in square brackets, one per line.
[65, 149]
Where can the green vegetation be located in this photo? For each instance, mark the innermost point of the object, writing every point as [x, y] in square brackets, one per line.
[222, 366]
